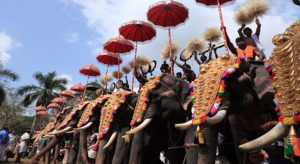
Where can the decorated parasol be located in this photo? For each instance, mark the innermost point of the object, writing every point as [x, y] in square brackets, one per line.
[40, 108]
[118, 45]
[137, 31]
[67, 94]
[42, 112]
[168, 13]
[218, 3]
[59, 100]
[77, 88]
[88, 70]
[109, 59]
[54, 106]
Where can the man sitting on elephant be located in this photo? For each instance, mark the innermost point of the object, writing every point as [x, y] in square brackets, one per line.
[243, 50]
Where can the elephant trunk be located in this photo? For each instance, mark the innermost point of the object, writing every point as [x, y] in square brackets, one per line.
[83, 147]
[56, 153]
[144, 124]
[100, 159]
[49, 146]
[136, 152]
[273, 135]
[111, 140]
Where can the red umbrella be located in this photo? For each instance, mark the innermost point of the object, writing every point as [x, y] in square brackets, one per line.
[59, 100]
[88, 70]
[137, 31]
[38, 108]
[118, 45]
[53, 106]
[77, 88]
[67, 94]
[109, 59]
[168, 14]
[218, 3]
[42, 112]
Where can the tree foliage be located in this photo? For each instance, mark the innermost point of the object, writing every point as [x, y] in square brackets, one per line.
[5, 74]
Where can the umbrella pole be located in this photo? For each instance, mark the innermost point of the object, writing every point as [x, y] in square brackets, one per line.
[105, 77]
[170, 51]
[133, 72]
[84, 91]
[118, 74]
[222, 25]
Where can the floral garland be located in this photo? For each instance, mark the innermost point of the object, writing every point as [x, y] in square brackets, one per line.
[92, 111]
[72, 116]
[147, 98]
[113, 114]
[220, 93]
[285, 120]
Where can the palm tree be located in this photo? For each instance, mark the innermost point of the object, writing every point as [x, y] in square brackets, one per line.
[47, 89]
[5, 73]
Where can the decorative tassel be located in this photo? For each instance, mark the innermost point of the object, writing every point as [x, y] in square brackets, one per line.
[127, 138]
[288, 149]
[198, 139]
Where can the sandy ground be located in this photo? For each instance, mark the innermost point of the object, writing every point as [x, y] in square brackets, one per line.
[23, 160]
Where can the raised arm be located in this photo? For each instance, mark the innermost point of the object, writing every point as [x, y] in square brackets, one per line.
[230, 45]
[181, 66]
[139, 76]
[240, 31]
[257, 32]
[196, 58]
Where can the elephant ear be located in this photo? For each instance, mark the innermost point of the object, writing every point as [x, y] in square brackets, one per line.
[143, 99]
[89, 110]
[285, 65]
[207, 89]
[109, 110]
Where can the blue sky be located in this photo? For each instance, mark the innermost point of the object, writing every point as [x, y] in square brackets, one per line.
[64, 35]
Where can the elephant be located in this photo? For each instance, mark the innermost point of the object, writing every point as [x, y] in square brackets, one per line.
[284, 63]
[70, 120]
[166, 98]
[114, 122]
[246, 104]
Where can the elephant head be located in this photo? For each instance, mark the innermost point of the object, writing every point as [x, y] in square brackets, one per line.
[285, 60]
[163, 101]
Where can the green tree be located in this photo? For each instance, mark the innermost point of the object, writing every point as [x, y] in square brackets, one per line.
[47, 89]
[8, 74]
[11, 106]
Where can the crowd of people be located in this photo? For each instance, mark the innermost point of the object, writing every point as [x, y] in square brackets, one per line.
[12, 145]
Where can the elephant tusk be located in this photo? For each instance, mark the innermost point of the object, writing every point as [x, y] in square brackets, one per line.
[61, 131]
[84, 127]
[140, 127]
[111, 140]
[48, 136]
[220, 116]
[184, 126]
[70, 132]
[271, 136]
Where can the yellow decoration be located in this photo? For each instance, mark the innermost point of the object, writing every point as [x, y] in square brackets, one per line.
[288, 121]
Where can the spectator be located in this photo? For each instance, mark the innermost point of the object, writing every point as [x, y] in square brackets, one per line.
[4, 142]
[12, 144]
[22, 149]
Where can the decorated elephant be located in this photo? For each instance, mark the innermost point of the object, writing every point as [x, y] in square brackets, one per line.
[163, 101]
[241, 109]
[70, 120]
[284, 70]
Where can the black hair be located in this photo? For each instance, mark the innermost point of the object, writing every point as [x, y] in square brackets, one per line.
[179, 73]
[188, 66]
[247, 28]
[239, 39]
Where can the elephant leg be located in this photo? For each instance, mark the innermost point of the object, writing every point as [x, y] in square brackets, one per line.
[48, 157]
[207, 151]
[49, 146]
[56, 153]
[136, 150]
[73, 150]
[121, 155]
[101, 154]
[238, 136]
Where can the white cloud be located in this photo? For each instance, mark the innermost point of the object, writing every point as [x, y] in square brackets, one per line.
[74, 37]
[69, 79]
[106, 16]
[6, 45]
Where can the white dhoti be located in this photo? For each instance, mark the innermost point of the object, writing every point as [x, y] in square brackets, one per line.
[22, 147]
